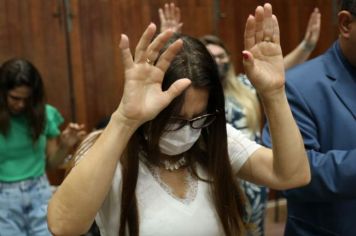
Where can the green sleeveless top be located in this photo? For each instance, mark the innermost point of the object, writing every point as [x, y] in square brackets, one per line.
[20, 157]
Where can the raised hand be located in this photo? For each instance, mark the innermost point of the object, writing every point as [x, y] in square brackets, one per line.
[170, 18]
[72, 134]
[143, 97]
[263, 60]
[313, 30]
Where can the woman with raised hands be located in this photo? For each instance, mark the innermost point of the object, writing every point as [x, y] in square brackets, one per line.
[304, 49]
[242, 106]
[170, 18]
[166, 162]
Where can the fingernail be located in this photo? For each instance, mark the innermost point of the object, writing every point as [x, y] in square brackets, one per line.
[245, 56]
[121, 40]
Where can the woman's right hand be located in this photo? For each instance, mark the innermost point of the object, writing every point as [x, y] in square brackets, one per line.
[143, 97]
[170, 18]
[263, 59]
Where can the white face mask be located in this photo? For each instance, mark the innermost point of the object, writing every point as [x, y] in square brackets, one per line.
[179, 141]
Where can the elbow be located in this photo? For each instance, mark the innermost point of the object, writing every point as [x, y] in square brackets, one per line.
[303, 177]
[56, 227]
[302, 180]
[299, 179]
[307, 177]
[62, 228]
[59, 225]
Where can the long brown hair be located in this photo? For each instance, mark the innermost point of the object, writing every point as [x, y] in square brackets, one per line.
[20, 72]
[193, 62]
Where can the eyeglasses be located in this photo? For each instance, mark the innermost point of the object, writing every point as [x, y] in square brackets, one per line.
[176, 123]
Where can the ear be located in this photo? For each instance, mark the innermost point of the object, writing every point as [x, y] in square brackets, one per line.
[345, 20]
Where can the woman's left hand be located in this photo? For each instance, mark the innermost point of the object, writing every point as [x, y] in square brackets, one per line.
[263, 59]
[313, 30]
[72, 134]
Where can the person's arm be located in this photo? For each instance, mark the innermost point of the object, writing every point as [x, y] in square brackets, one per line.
[302, 52]
[334, 171]
[169, 18]
[57, 149]
[73, 207]
[286, 165]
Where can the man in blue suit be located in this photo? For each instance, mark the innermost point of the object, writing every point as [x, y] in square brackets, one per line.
[322, 95]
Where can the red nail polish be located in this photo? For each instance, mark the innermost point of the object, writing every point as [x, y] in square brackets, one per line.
[245, 56]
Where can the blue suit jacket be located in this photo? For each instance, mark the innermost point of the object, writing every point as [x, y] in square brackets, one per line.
[322, 96]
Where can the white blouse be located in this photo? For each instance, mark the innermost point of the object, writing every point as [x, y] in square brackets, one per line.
[161, 214]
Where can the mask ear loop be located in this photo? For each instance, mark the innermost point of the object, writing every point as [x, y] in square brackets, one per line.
[145, 130]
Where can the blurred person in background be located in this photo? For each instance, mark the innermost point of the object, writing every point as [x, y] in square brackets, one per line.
[322, 95]
[30, 142]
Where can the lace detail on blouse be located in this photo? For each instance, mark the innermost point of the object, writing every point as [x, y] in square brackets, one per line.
[190, 180]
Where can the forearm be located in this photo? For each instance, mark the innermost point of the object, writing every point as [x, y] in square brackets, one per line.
[290, 163]
[58, 157]
[300, 54]
[74, 205]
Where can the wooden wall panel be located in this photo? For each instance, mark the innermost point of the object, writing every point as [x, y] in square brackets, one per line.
[90, 60]
[293, 16]
[94, 47]
[29, 30]
[197, 15]
[97, 26]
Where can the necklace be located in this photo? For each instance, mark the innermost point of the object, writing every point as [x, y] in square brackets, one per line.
[172, 166]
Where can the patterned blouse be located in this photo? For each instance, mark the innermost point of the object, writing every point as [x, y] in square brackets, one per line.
[256, 195]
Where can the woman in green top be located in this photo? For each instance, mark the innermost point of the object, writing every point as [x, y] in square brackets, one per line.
[30, 141]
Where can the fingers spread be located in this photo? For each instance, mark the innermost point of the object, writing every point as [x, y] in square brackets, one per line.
[167, 12]
[276, 35]
[177, 14]
[167, 57]
[125, 52]
[259, 15]
[144, 42]
[250, 29]
[268, 23]
[161, 15]
[158, 43]
[172, 11]
[177, 88]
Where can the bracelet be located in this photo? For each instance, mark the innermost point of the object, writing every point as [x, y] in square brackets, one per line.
[308, 46]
